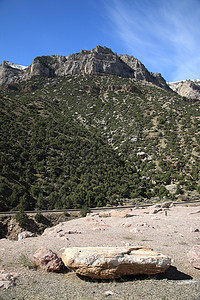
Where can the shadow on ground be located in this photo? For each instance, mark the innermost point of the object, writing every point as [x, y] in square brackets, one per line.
[171, 274]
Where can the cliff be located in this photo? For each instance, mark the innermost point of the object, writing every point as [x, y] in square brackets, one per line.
[100, 60]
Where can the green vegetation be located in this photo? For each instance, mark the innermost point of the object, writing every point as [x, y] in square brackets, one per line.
[39, 217]
[75, 141]
[85, 210]
[21, 218]
[25, 261]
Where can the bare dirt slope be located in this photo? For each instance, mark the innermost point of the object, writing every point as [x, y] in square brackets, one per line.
[173, 234]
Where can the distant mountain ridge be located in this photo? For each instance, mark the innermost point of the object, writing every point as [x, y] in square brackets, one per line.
[100, 60]
[187, 88]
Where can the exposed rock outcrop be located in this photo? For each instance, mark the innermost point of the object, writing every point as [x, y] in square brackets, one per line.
[10, 73]
[141, 72]
[113, 262]
[187, 88]
[100, 60]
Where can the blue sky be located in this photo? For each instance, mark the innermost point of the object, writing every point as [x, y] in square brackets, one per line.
[163, 34]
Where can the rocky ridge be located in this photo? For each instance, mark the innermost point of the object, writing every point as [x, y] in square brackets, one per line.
[100, 60]
[187, 88]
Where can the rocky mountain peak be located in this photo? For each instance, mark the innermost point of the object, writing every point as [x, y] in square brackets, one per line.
[9, 72]
[99, 49]
[100, 60]
[187, 88]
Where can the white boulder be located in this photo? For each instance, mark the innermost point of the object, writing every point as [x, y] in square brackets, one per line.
[113, 262]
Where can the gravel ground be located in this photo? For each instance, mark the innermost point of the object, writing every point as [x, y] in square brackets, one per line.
[172, 235]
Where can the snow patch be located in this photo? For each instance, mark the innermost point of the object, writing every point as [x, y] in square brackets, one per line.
[181, 81]
[15, 66]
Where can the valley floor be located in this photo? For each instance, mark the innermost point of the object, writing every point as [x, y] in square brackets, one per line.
[172, 233]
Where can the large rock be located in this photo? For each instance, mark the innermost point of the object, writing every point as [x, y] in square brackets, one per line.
[113, 262]
[48, 260]
[172, 188]
[122, 213]
[194, 256]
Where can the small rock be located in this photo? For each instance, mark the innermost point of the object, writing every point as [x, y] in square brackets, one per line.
[109, 293]
[25, 234]
[7, 280]
[126, 243]
[194, 212]
[48, 260]
[143, 224]
[155, 211]
[194, 229]
[194, 256]
[91, 215]
[166, 205]
[126, 225]
[135, 230]
[98, 229]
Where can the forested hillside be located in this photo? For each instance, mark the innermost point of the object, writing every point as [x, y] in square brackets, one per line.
[94, 140]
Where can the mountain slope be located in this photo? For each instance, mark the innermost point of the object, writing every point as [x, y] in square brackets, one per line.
[74, 140]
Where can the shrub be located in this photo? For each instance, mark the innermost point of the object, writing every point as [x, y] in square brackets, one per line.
[85, 210]
[66, 214]
[21, 218]
[39, 217]
[26, 262]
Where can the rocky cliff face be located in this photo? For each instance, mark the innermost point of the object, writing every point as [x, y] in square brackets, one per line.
[187, 88]
[141, 73]
[100, 60]
[10, 72]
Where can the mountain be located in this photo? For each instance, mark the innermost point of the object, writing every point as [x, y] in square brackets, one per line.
[187, 88]
[100, 60]
[76, 132]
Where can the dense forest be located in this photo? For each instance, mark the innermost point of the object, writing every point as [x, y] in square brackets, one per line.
[81, 140]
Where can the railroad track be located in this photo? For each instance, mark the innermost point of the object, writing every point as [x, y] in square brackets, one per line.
[96, 209]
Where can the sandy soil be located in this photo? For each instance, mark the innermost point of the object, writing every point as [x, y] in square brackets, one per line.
[173, 234]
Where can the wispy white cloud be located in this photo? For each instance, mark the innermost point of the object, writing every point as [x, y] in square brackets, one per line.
[163, 34]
